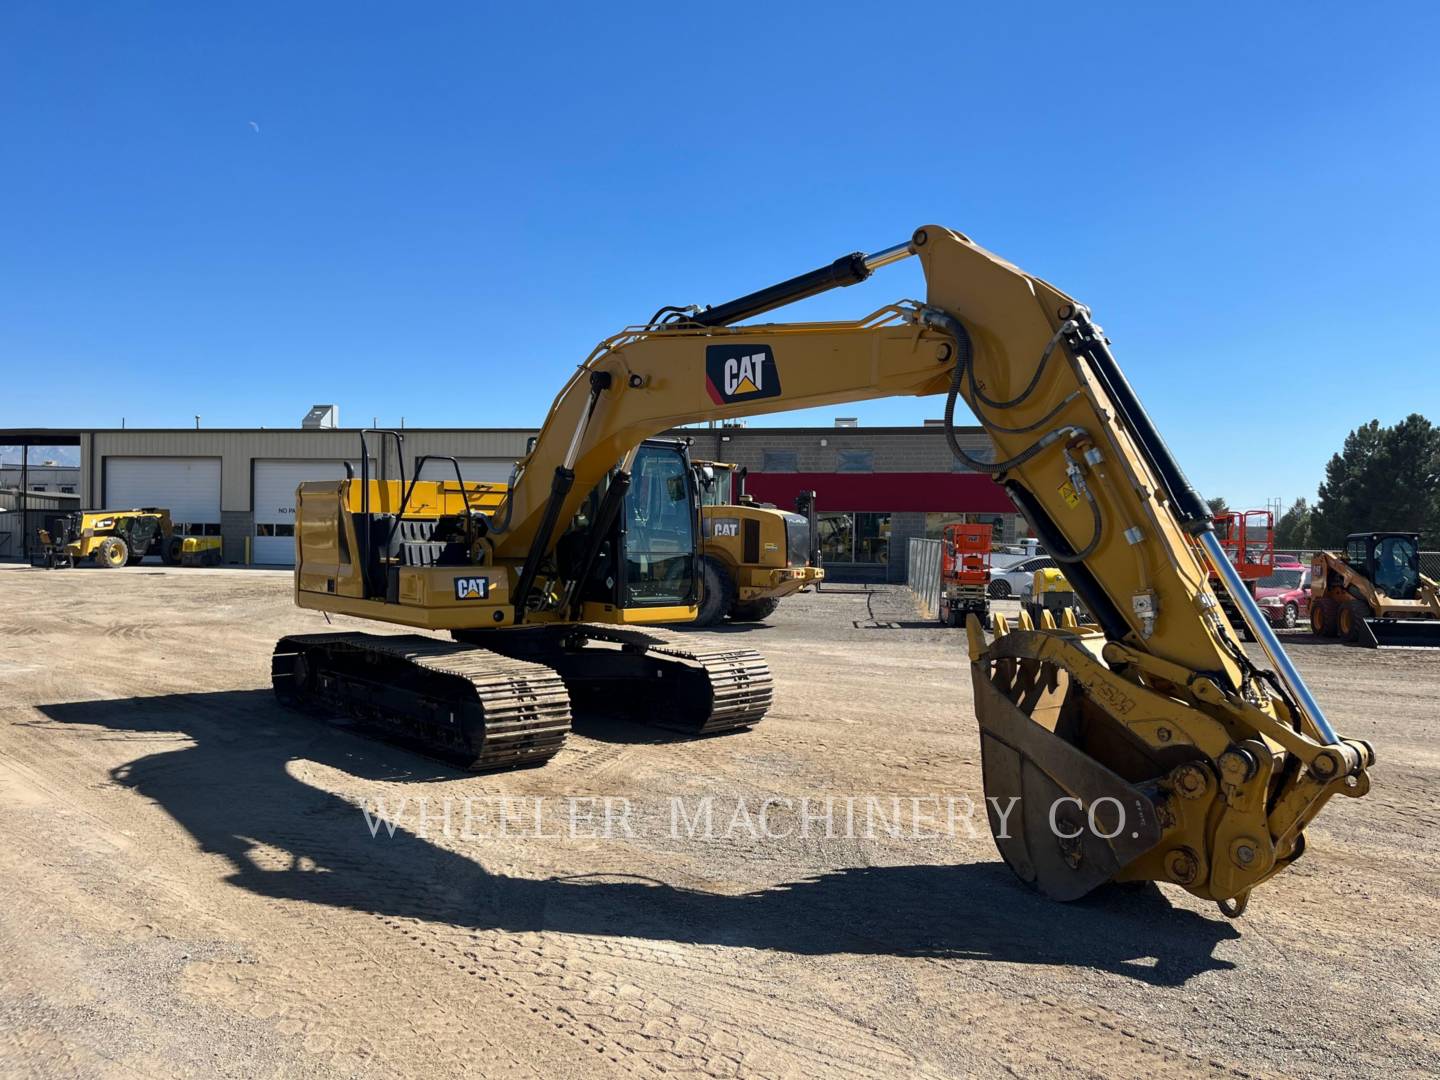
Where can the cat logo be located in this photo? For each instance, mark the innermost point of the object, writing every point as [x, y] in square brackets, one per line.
[740, 373]
[472, 588]
[723, 526]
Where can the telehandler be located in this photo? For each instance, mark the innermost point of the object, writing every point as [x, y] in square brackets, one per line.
[751, 556]
[111, 538]
[1147, 747]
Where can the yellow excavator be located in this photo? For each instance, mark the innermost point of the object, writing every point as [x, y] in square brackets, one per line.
[752, 556]
[1147, 746]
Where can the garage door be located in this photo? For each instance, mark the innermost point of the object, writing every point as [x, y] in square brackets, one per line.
[188, 487]
[274, 503]
[480, 470]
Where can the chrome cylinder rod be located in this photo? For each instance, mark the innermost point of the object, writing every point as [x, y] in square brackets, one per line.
[889, 255]
[1260, 627]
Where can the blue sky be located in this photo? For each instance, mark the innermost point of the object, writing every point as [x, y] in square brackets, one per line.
[446, 205]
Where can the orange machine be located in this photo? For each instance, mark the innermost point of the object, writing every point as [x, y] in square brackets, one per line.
[1248, 539]
[964, 572]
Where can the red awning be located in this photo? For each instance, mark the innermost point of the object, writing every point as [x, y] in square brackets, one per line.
[894, 492]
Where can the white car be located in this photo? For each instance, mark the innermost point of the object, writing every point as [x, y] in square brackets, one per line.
[1015, 580]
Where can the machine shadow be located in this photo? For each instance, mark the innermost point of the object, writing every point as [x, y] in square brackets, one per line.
[719, 628]
[233, 789]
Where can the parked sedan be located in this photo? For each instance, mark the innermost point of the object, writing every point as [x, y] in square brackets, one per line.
[1015, 580]
[1284, 596]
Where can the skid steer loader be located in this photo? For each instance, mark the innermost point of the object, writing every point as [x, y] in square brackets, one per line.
[1374, 594]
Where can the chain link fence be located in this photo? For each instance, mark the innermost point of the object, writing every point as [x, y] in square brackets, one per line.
[922, 572]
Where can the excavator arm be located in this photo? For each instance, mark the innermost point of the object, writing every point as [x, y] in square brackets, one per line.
[1150, 746]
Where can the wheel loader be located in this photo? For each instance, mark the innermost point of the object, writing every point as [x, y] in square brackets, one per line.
[751, 556]
[1373, 593]
[1147, 746]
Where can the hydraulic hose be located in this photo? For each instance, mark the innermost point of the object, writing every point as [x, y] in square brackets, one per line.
[964, 354]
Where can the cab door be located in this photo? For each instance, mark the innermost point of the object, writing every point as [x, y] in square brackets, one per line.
[660, 531]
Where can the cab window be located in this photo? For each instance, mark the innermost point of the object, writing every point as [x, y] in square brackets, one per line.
[659, 530]
[1396, 567]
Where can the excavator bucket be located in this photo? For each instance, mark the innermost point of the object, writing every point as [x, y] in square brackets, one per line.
[1400, 633]
[1063, 820]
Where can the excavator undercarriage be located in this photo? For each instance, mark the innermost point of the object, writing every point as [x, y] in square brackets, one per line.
[497, 701]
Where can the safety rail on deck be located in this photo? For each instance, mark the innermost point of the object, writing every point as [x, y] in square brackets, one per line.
[922, 572]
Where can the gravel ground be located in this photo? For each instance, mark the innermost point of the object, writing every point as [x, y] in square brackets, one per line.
[190, 886]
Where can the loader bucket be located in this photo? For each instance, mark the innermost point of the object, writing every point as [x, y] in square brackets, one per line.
[1063, 821]
[1400, 633]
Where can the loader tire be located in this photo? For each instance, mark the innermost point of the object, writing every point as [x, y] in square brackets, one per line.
[111, 552]
[1322, 618]
[717, 593]
[1350, 618]
[754, 611]
[170, 550]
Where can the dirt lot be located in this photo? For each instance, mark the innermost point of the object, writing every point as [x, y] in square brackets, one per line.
[189, 886]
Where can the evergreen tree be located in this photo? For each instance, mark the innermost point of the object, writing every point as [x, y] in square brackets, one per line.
[1383, 478]
[1295, 529]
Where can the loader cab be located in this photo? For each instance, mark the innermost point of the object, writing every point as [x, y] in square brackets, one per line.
[1391, 561]
[717, 483]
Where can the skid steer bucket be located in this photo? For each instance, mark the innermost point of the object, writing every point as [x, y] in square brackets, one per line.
[1400, 633]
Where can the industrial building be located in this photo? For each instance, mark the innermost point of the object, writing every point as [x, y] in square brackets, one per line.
[876, 487]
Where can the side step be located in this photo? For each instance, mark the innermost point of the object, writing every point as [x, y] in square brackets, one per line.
[471, 707]
[655, 677]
